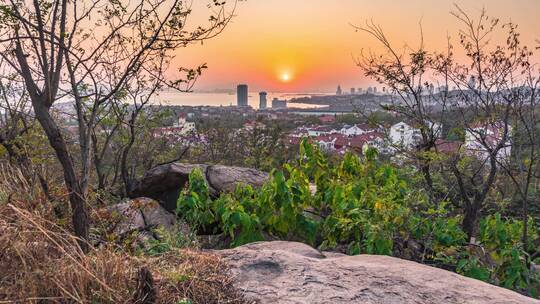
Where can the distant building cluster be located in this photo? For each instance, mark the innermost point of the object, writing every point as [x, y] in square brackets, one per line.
[279, 104]
[358, 91]
[181, 131]
[397, 138]
[393, 140]
[242, 96]
[342, 138]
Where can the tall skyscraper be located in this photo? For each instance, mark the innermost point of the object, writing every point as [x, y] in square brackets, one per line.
[338, 91]
[353, 91]
[262, 100]
[242, 95]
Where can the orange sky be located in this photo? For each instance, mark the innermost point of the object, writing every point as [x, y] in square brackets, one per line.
[313, 43]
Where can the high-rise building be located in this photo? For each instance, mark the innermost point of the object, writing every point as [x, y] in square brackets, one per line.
[353, 91]
[262, 100]
[279, 104]
[472, 82]
[242, 95]
[339, 92]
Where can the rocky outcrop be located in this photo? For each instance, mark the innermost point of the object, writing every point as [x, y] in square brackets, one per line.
[140, 214]
[286, 272]
[165, 182]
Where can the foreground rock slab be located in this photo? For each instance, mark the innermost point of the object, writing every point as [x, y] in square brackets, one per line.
[287, 272]
[164, 183]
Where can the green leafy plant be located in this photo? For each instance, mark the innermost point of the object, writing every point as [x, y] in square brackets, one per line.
[194, 204]
[356, 205]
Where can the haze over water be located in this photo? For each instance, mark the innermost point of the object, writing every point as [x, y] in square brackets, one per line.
[225, 99]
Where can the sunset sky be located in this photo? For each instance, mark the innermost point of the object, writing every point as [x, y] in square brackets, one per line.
[308, 45]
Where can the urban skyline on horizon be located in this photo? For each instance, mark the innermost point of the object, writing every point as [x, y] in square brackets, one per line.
[273, 45]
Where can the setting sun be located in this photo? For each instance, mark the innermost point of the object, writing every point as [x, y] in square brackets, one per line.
[285, 77]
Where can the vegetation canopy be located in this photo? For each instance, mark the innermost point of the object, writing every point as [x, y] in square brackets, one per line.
[361, 205]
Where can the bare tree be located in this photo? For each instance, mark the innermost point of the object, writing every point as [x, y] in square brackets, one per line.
[15, 118]
[88, 52]
[483, 96]
[217, 142]
[406, 74]
[105, 158]
[486, 87]
[523, 168]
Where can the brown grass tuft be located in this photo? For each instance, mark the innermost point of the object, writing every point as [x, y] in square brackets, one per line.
[41, 262]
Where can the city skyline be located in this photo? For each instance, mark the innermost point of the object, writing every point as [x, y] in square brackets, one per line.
[310, 46]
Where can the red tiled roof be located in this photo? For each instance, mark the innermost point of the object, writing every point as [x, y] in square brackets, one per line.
[293, 140]
[341, 141]
[327, 118]
[448, 147]
[364, 126]
[325, 138]
[358, 141]
[494, 132]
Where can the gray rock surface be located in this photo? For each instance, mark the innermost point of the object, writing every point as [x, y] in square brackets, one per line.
[164, 183]
[287, 272]
[141, 214]
[225, 179]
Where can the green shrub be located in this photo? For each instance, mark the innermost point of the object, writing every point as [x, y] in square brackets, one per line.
[194, 204]
[361, 205]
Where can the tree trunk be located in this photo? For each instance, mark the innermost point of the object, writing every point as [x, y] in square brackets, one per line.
[77, 197]
[525, 217]
[470, 221]
[124, 170]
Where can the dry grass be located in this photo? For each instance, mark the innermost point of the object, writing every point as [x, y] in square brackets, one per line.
[13, 182]
[25, 191]
[40, 262]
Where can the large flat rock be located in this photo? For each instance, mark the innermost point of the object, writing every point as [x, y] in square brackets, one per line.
[288, 272]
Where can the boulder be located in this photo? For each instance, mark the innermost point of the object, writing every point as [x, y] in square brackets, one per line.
[165, 182]
[140, 214]
[225, 179]
[288, 272]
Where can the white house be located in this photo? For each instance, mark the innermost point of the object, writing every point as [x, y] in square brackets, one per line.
[185, 127]
[321, 130]
[326, 142]
[477, 137]
[354, 130]
[436, 128]
[404, 135]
